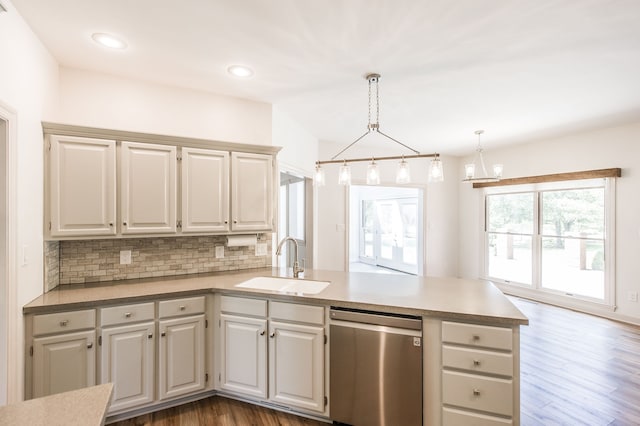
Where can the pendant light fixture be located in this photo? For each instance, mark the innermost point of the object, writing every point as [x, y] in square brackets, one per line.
[373, 173]
[477, 171]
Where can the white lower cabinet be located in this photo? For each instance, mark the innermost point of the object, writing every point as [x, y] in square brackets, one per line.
[292, 360]
[63, 352]
[63, 362]
[243, 355]
[296, 365]
[127, 354]
[479, 378]
[181, 356]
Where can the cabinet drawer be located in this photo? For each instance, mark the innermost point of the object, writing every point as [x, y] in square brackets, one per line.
[186, 306]
[478, 392]
[477, 335]
[451, 417]
[244, 306]
[477, 360]
[64, 321]
[296, 312]
[126, 314]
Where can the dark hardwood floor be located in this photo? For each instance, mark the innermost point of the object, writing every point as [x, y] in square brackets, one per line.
[576, 369]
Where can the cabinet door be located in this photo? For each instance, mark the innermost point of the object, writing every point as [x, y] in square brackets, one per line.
[181, 358]
[251, 192]
[244, 355]
[148, 188]
[296, 365]
[205, 190]
[82, 179]
[128, 362]
[63, 362]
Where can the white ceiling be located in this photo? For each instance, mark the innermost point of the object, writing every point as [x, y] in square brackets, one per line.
[520, 69]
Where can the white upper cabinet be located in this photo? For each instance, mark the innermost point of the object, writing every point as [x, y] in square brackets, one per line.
[205, 190]
[148, 188]
[82, 197]
[251, 192]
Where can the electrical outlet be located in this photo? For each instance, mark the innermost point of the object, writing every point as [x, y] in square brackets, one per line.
[125, 257]
[632, 296]
[261, 249]
[219, 252]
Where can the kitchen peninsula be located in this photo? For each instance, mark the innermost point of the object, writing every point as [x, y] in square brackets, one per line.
[470, 338]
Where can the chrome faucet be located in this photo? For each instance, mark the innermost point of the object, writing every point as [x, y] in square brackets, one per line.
[296, 266]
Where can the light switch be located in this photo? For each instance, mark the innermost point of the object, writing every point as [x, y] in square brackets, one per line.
[125, 257]
[219, 252]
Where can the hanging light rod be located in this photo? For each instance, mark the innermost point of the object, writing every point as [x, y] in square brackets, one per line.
[369, 159]
[373, 174]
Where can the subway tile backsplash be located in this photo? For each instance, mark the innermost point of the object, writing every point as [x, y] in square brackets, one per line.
[86, 261]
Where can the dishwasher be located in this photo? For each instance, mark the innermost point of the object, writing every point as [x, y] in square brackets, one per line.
[375, 368]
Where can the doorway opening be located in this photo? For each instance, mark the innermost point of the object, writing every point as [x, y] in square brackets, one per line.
[386, 229]
[295, 219]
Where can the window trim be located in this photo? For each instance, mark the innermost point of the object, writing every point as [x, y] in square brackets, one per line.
[561, 298]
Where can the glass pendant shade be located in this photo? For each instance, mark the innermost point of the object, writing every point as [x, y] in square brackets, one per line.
[497, 170]
[344, 177]
[436, 170]
[319, 177]
[403, 175]
[373, 174]
[469, 171]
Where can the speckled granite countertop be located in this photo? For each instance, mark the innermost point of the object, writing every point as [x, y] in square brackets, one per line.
[86, 407]
[447, 298]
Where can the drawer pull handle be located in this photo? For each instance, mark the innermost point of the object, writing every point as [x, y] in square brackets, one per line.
[262, 333]
[272, 335]
[182, 307]
[476, 337]
[476, 392]
[90, 345]
[476, 363]
[64, 323]
[150, 336]
[127, 315]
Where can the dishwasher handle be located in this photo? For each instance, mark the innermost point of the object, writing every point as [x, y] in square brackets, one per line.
[374, 318]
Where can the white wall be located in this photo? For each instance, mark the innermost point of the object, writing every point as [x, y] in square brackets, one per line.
[299, 147]
[441, 221]
[600, 149]
[106, 101]
[28, 85]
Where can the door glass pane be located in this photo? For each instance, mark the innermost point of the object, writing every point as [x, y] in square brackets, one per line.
[296, 210]
[574, 266]
[388, 238]
[573, 213]
[367, 228]
[510, 257]
[510, 213]
[409, 216]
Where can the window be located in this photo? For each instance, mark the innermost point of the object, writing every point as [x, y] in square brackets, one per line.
[553, 237]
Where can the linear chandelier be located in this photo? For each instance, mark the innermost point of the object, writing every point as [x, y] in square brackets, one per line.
[403, 176]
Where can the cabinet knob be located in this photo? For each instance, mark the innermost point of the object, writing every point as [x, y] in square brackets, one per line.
[262, 333]
[150, 336]
[476, 362]
[272, 335]
[90, 345]
[226, 221]
[476, 392]
[127, 315]
[163, 334]
[235, 221]
[124, 223]
[64, 323]
[111, 224]
[182, 307]
[476, 337]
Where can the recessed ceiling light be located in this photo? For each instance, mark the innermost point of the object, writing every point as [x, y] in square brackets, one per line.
[240, 71]
[107, 40]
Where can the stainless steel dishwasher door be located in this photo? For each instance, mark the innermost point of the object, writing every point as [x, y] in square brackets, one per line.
[375, 370]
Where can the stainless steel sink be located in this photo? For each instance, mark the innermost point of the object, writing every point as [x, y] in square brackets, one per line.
[285, 285]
